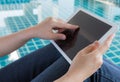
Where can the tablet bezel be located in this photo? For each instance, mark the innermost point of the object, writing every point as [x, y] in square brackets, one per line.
[112, 30]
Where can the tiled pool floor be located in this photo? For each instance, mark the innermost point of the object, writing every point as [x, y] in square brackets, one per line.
[17, 16]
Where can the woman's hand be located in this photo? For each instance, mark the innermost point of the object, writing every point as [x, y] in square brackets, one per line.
[44, 29]
[86, 62]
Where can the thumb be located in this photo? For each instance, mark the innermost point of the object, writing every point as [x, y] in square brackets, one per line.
[59, 36]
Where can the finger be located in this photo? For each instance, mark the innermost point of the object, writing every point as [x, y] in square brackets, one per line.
[104, 47]
[64, 25]
[59, 30]
[64, 22]
[59, 36]
[90, 48]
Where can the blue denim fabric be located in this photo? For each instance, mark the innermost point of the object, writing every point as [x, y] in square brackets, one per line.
[47, 65]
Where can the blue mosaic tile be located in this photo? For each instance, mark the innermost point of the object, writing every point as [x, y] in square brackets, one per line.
[110, 55]
[29, 18]
[116, 59]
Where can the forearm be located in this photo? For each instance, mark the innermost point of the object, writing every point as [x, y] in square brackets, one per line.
[12, 42]
[43, 30]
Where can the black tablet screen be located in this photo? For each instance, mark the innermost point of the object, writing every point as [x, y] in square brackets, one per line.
[91, 29]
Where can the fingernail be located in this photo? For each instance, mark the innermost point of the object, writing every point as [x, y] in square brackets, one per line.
[93, 43]
[109, 42]
[110, 39]
[76, 26]
[112, 36]
[96, 42]
[63, 37]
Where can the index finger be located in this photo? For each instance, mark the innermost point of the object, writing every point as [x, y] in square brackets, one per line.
[61, 24]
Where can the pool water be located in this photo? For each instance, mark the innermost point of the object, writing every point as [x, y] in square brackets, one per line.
[16, 15]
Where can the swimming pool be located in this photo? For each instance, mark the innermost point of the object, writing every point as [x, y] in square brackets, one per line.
[20, 14]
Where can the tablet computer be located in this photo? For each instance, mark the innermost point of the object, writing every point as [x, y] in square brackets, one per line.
[92, 28]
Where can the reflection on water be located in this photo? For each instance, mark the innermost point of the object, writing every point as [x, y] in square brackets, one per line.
[60, 8]
[38, 10]
[13, 1]
[16, 15]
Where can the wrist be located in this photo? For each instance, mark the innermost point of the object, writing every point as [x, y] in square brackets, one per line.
[30, 33]
[35, 31]
[25, 34]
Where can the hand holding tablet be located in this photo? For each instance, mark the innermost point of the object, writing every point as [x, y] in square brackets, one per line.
[86, 62]
[92, 28]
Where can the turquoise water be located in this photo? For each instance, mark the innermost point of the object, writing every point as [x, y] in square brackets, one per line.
[16, 15]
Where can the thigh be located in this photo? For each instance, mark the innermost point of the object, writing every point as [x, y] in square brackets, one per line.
[107, 73]
[28, 67]
[53, 72]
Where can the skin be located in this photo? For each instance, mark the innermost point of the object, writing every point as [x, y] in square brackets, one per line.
[86, 62]
[43, 30]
